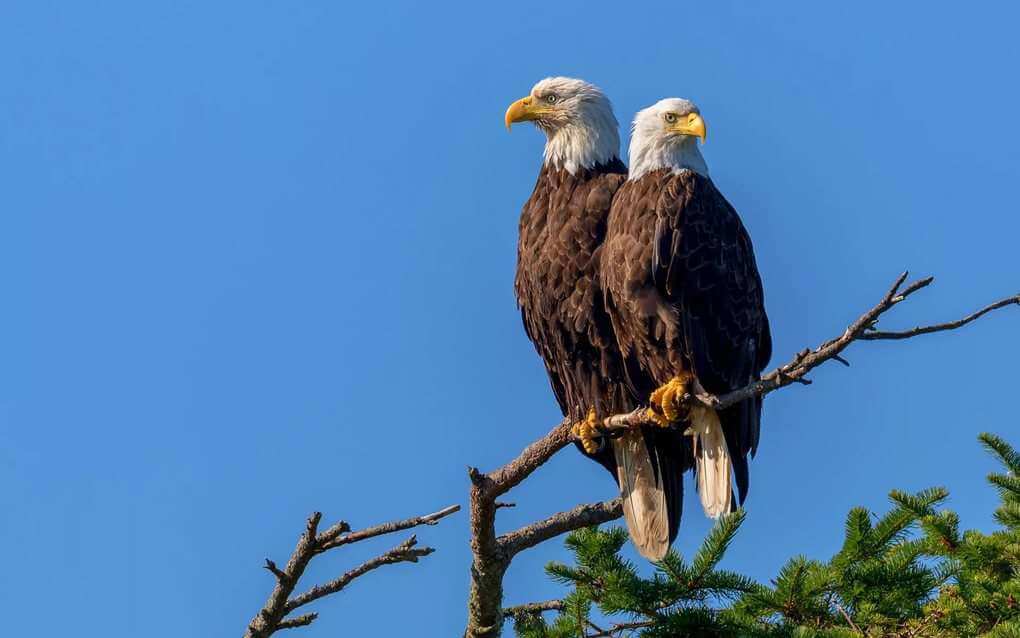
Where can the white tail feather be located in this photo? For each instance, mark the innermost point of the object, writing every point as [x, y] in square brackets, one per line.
[644, 499]
[713, 464]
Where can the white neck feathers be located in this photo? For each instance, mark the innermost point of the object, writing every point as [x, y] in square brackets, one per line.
[650, 153]
[585, 141]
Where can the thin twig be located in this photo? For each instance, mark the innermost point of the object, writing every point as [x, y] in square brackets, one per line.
[932, 616]
[621, 627]
[297, 621]
[405, 552]
[273, 615]
[271, 566]
[877, 335]
[848, 619]
[388, 528]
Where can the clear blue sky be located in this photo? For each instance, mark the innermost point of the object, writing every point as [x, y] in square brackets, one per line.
[256, 259]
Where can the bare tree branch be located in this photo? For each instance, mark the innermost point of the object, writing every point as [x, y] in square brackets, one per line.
[876, 335]
[405, 552]
[388, 528]
[297, 621]
[861, 329]
[273, 615]
[491, 555]
[619, 628]
[340, 527]
[581, 516]
[271, 566]
[533, 608]
[533, 457]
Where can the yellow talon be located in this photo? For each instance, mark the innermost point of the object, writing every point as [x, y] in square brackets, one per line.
[587, 432]
[657, 418]
[665, 400]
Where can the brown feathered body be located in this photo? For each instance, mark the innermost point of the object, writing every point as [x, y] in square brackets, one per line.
[562, 228]
[683, 292]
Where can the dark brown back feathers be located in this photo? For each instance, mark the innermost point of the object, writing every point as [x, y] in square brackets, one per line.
[684, 293]
[562, 227]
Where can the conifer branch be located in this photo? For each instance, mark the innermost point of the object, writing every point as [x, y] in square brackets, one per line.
[893, 577]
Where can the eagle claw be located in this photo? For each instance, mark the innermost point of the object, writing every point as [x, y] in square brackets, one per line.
[666, 405]
[588, 431]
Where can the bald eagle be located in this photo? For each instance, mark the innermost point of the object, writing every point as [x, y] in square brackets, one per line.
[562, 226]
[686, 304]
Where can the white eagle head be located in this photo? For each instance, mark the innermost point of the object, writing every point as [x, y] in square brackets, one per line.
[577, 119]
[665, 135]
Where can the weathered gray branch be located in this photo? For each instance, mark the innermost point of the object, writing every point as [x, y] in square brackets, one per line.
[581, 516]
[862, 329]
[875, 335]
[619, 628]
[389, 528]
[297, 621]
[273, 615]
[492, 554]
[538, 608]
[406, 552]
[533, 608]
[490, 558]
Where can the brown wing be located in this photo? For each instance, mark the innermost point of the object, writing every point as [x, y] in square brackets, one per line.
[562, 228]
[703, 265]
[684, 294]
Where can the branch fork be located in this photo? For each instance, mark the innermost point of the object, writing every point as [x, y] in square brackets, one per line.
[492, 554]
[275, 614]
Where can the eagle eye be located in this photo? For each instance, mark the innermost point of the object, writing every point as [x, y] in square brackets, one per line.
[551, 98]
[670, 118]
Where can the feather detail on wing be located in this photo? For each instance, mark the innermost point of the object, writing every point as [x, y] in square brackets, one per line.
[704, 267]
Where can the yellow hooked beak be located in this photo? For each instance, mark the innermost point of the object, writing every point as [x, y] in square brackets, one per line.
[523, 110]
[691, 125]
